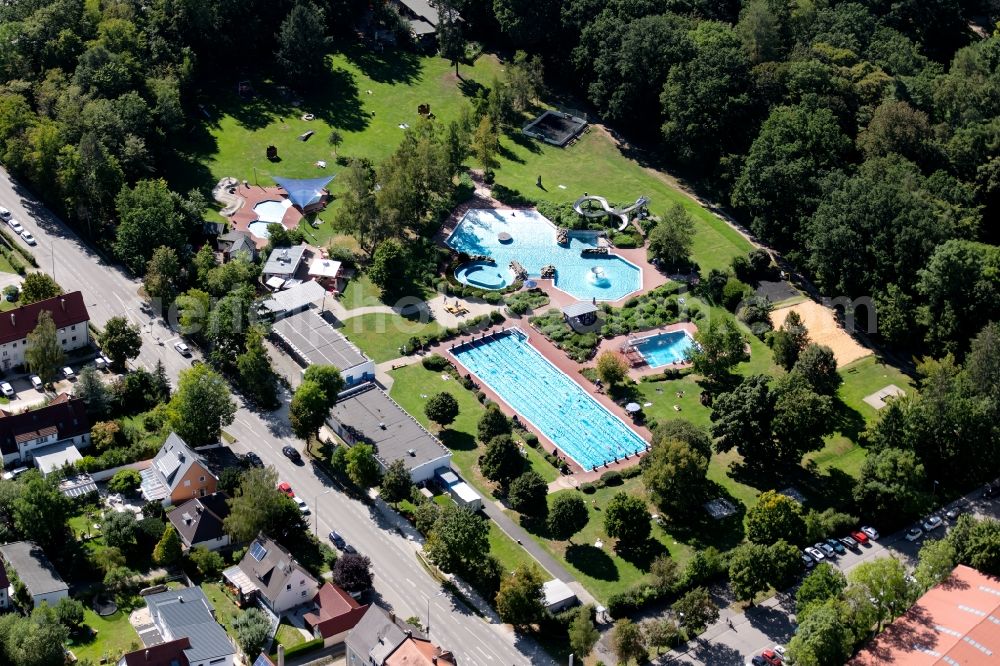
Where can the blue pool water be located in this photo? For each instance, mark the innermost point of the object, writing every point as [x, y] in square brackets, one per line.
[548, 399]
[270, 211]
[259, 229]
[665, 348]
[483, 275]
[533, 245]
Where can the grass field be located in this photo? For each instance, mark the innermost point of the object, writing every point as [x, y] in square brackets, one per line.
[115, 636]
[381, 335]
[288, 635]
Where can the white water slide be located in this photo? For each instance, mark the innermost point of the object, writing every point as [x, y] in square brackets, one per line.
[622, 213]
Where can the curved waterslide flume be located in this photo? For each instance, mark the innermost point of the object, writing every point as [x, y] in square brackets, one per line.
[623, 213]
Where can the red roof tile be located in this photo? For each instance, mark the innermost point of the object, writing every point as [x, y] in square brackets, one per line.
[164, 654]
[66, 310]
[64, 415]
[337, 611]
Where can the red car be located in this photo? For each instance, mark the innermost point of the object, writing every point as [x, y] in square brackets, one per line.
[285, 488]
[860, 537]
[771, 657]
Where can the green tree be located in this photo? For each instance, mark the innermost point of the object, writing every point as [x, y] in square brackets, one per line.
[150, 216]
[441, 408]
[720, 347]
[892, 484]
[671, 240]
[121, 581]
[70, 613]
[527, 494]
[817, 365]
[485, 144]
[168, 550]
[749, 571]
[390, 266]
[193, 308]
[659, 633]
[458, 540]
[302, 46]
[395, 485]
[801, 418]
[626, 518]
[674, 475]
[583, 635]
[308, 409]
[328, 378]
[208, 562]
[696, 609]
[44, 354]
[257, 378]
[627, 643]
[201, 407]
[93, 392]
[884, 582]
[492, 424]
[520, 601]
[773, 517]
[120, 340]
[252, 629]
[824, 636]
[335, 138]
[163, 274]
[357, 214]
[897, 128]
[789, 341]
[502, 461]
[741, 420]
[567, 516]
[120, 530]
[38, 287]
[611, 368]
[823, 583]
[41, 512]
[665, 573]
[363, 469]
[935, 562]
[125, 481]
[977, 543]
[258, 506]
[682, 430]
[36, 640]
[451, 44]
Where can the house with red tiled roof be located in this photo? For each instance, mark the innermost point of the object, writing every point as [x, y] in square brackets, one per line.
[170, 653]
[69, 314]
[335, 613]
[58, 426]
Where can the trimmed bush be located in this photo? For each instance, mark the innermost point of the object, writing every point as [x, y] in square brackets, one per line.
[435, 362]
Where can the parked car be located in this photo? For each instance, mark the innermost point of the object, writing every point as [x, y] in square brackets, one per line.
[4, 213]
[253, 460]
[286, 488]
[15, 225]
[338, 540]
[914, 533]
[825, 548]
[757, 660]
[28, 238]
[291, 453]
[850, 543]
[815, 554]
[7, 389]
[989, 491]
[100, 363]
[807, 561]
[932, 523]
[871, 532]
[68, 372]
[182, 349]
[780, 650]
[954, 512]
[107, 359]
[837, 546]
[771, 657]
[303, 507]
[860, 537]
[36, 382]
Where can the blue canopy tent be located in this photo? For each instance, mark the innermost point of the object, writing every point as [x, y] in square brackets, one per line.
[304, 192]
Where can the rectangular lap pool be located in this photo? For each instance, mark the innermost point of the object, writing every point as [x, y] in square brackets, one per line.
[549, 400]
[665, 348]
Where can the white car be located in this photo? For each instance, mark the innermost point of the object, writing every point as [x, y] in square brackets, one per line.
[815, 553]
[303, 507]
[932, 523]
[4, 213]
[15, 225]
[871, 532]
[7, 389]
[28, 238]
[914, 533]
[182, 349]
[37, 383]
[68, 372]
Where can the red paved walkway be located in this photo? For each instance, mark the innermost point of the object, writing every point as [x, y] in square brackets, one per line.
[255, 194]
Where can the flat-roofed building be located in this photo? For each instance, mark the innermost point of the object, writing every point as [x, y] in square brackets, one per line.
[368, 415]
[311, 340]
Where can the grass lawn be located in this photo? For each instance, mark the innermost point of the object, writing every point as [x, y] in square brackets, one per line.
[288, 635]
[866, 376]
[507, 551]
[380, 335]
[115, 636]
[225, 609]
[360, 292]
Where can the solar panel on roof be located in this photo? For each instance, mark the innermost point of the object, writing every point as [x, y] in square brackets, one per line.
[257, 551]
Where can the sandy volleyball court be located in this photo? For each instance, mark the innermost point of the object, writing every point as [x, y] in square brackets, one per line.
[824, 330]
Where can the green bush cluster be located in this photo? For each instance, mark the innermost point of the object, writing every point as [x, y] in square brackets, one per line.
[658, 307]
[706, 566]
[578, 346]
[435, 362]
[13, 246]
[14, 260]
[510, 196]
[472, 325]
[522, 301]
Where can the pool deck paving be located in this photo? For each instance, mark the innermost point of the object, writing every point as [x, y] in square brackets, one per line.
[255, 194]
[616, 343]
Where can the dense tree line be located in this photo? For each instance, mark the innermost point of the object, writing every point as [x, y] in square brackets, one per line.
[857, 137]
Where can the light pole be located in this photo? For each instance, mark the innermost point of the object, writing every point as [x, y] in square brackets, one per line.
[316, 511]
[428, 627]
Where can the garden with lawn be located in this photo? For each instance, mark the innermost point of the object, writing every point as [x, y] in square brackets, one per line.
[103, 639]
[381, 336]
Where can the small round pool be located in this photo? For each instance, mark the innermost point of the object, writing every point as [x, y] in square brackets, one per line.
[259, 229]
[271, 211]
[481, 274]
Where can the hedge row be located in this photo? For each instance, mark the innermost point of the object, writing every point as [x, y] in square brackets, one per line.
[468, 326]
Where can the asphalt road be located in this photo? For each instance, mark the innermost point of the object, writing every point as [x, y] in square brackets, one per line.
[400, 581]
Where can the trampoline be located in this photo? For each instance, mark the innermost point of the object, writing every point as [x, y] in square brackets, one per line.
[555, 127]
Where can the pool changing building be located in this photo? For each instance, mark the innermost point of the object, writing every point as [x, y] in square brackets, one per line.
[367, 415]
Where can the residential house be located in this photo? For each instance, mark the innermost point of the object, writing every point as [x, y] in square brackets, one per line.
[69, 314]
[44, 430]
[234, 243]
[177, 474]
[269, 573]
[199, 521]
[283, 263]
[422, 15]
[381, 639]
[186, 613]
[171, 653]
[28, 563]
[335, 613]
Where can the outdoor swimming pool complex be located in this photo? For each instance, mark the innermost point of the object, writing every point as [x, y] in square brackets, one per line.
[664, 348]
[549, 400]
[533, 244]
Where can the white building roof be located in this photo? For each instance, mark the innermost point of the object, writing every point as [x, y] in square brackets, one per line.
[557, 592]
[295, 298]
[51, 458]
[327, 268]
